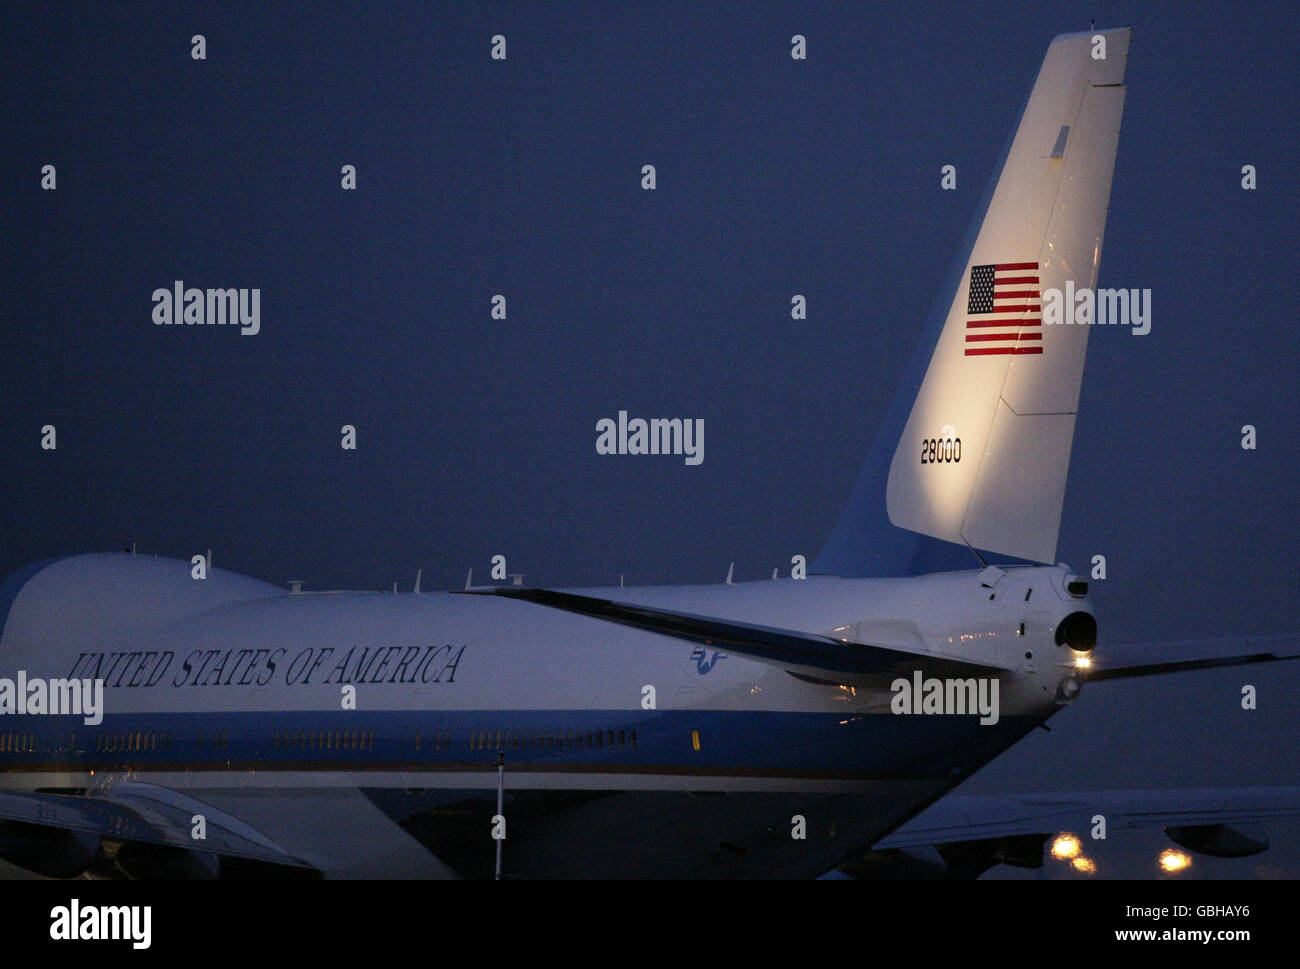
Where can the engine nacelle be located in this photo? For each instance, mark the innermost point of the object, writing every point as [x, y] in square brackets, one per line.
[138, 859]
[1078, 631]
[44, 850]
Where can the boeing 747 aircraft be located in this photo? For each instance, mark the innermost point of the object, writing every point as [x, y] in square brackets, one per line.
[161, 719]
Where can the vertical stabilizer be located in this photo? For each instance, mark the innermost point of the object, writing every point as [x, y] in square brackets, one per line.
[981, 455]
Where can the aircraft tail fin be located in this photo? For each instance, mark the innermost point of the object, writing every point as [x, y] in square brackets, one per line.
[980, 457]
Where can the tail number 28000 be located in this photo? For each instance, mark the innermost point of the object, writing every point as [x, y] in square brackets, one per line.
[940, 450]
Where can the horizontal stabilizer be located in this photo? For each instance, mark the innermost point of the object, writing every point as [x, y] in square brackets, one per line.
[1176, 656]
[804, 654]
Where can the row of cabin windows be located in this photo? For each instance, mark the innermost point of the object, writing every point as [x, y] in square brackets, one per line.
[132, 740]
[220, 739]
[17, 743]
[440, 738]
[549, 739]
[325, 739]
[116, 740]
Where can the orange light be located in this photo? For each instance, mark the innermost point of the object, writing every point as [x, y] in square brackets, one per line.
[1174, 861]
[1066, 846]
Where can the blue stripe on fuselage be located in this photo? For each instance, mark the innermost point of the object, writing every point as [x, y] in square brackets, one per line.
[794, 743]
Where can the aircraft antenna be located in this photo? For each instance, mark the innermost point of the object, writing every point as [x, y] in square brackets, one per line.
[501, 786]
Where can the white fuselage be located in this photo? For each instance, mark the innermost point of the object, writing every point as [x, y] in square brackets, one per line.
[230, 675]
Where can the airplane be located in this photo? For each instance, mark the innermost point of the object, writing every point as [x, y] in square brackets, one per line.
[781, 728]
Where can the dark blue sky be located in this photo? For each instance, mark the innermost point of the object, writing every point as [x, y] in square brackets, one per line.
[522, 177]
[775, 177]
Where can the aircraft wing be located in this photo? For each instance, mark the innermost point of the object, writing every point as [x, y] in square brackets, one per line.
[964, 818]
[963, 836]
[322, 826]
[136, 812]
[1174, 656]
[807, 655]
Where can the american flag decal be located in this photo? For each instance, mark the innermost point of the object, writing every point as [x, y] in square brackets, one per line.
[1004, 300]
